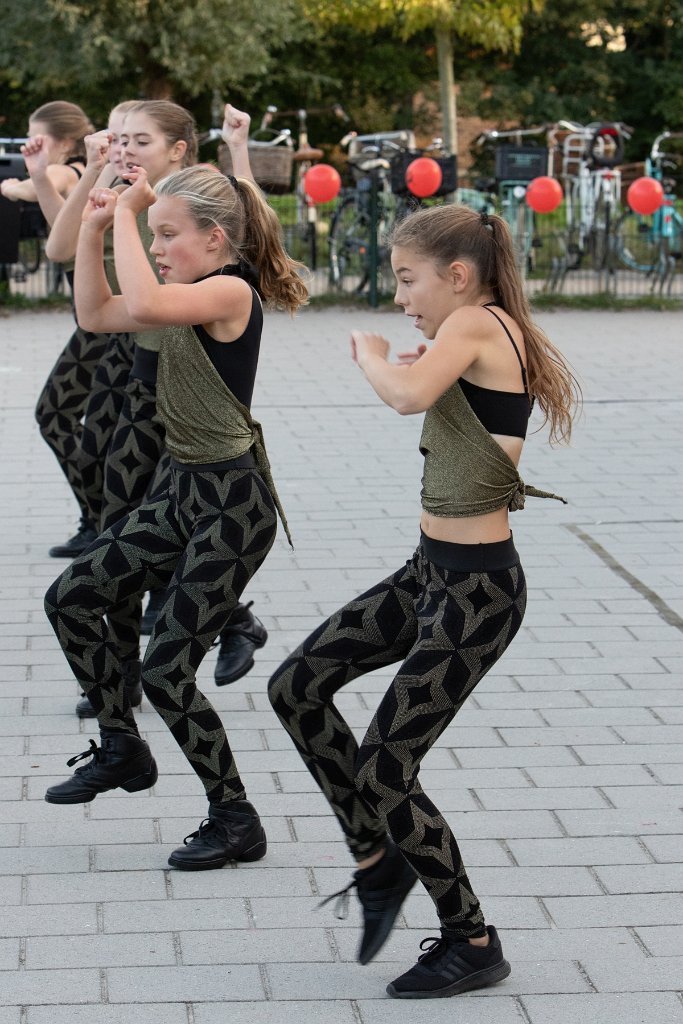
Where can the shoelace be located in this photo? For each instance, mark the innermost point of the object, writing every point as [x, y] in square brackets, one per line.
[93, 751]
[205, 826]
[343, 899]
[438, 944]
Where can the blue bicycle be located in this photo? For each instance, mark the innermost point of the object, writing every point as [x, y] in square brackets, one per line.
[653, 245]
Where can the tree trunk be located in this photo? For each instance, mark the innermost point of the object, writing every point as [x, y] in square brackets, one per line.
[444, 50]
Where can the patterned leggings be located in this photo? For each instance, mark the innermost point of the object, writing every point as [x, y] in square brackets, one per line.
[202, 543]
[448, 628]
[132, 463]
[102, 415]
[63, 401]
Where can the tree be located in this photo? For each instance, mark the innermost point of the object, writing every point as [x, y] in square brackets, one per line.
[489, 24]
[119, 49]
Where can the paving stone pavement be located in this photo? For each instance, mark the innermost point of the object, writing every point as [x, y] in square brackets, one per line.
[563, 774]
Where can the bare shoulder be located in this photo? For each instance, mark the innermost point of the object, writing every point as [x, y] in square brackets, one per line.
[473, 322]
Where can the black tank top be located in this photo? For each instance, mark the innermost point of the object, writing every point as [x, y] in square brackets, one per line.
[237, 361]
[501, 412]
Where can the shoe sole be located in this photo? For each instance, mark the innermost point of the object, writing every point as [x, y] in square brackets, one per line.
[255, 852]
[225, 680]
[133, 785]
[480, 979]
[383, 934]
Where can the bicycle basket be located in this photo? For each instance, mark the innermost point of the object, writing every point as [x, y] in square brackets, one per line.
[521, 163]
[401, 162]
[270, 165]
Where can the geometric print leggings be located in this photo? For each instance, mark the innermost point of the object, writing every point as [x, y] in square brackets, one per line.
[447, 628]
[201, 543]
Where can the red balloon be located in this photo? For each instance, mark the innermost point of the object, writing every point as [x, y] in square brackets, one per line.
[544, 194]
[423, 176]
[645, 195]
[322, 183]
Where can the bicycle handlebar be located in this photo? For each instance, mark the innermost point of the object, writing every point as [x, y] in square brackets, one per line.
[655, 152]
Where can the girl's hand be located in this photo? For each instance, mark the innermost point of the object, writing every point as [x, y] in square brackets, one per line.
[364, 344]
[408, 358]
[99, 210]
[235, 126]
[6, 187]
[35, 155]
[140, 195]
[97, 149]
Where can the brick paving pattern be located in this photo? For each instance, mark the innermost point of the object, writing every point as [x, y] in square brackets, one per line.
[563, 774]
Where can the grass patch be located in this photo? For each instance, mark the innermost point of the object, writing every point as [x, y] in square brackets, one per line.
[9, 302]
[604, 300]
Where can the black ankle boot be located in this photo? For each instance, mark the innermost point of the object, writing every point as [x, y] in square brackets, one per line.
[130, 670]
[123, 761]
[242, 634]
[231, 832]
[77, 544]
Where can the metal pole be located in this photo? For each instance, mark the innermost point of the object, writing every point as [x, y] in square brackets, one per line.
[373, 297]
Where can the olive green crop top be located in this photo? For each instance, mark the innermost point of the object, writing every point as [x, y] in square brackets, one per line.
[466, 472]
[204, 421]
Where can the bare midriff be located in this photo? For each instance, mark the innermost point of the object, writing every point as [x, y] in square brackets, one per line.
[486, 529]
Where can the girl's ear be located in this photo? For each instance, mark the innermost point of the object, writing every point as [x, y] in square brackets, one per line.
[178, 151]
[216, 239]
[459, 275]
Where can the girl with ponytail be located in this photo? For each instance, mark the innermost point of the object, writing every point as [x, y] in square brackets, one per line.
[203, 540]
[450, 612]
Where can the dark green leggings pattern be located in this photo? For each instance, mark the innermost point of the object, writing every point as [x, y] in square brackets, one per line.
[63, 401]
[447, 629]
[202, 543]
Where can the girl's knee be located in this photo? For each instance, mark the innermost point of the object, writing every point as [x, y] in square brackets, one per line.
[287, 686]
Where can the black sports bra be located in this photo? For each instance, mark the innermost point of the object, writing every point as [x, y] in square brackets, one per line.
[501, 412]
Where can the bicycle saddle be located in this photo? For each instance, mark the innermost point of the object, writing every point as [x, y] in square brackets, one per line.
[307, 154]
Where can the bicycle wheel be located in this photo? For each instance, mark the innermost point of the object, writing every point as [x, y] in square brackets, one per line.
[636, 242]
[30, 253]
[599, 239]
[349, 247]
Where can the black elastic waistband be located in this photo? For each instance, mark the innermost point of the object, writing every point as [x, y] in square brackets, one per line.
[502, 554]
[246, 461]
[145, 363]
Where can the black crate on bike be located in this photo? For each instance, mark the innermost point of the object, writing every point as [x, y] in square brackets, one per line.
[400, 164]
[11, 166]
[521, 163]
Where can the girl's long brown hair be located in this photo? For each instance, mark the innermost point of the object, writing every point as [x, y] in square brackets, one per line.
[65, 121]
[454, 232]
[252, 229]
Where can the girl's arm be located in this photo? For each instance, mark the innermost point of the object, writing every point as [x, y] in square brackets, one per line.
[236, 135]
[48, 184]
[414, 388]
[96, 308]
[223, 300]
[63, 238]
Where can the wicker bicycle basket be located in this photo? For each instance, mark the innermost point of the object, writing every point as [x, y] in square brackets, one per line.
[270, 165]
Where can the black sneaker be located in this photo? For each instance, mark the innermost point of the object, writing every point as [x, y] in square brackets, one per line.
[450, 966]
[239, 638]
[123, 761]
[231, 832]
[381, 890]
[151, 612]
[77, 544]
[130, 670]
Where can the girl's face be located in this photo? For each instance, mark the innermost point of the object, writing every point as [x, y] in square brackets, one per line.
[56, 149]
[115, 128]
[183, 252]
[423, 293]
[145, 145]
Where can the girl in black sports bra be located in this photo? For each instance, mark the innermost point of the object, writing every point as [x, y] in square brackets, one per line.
[449, 613]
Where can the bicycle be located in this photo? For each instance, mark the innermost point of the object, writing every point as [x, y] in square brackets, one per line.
[366, 214]
[654, 244]
[516, 165]
[589, 170]
[24, 221]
